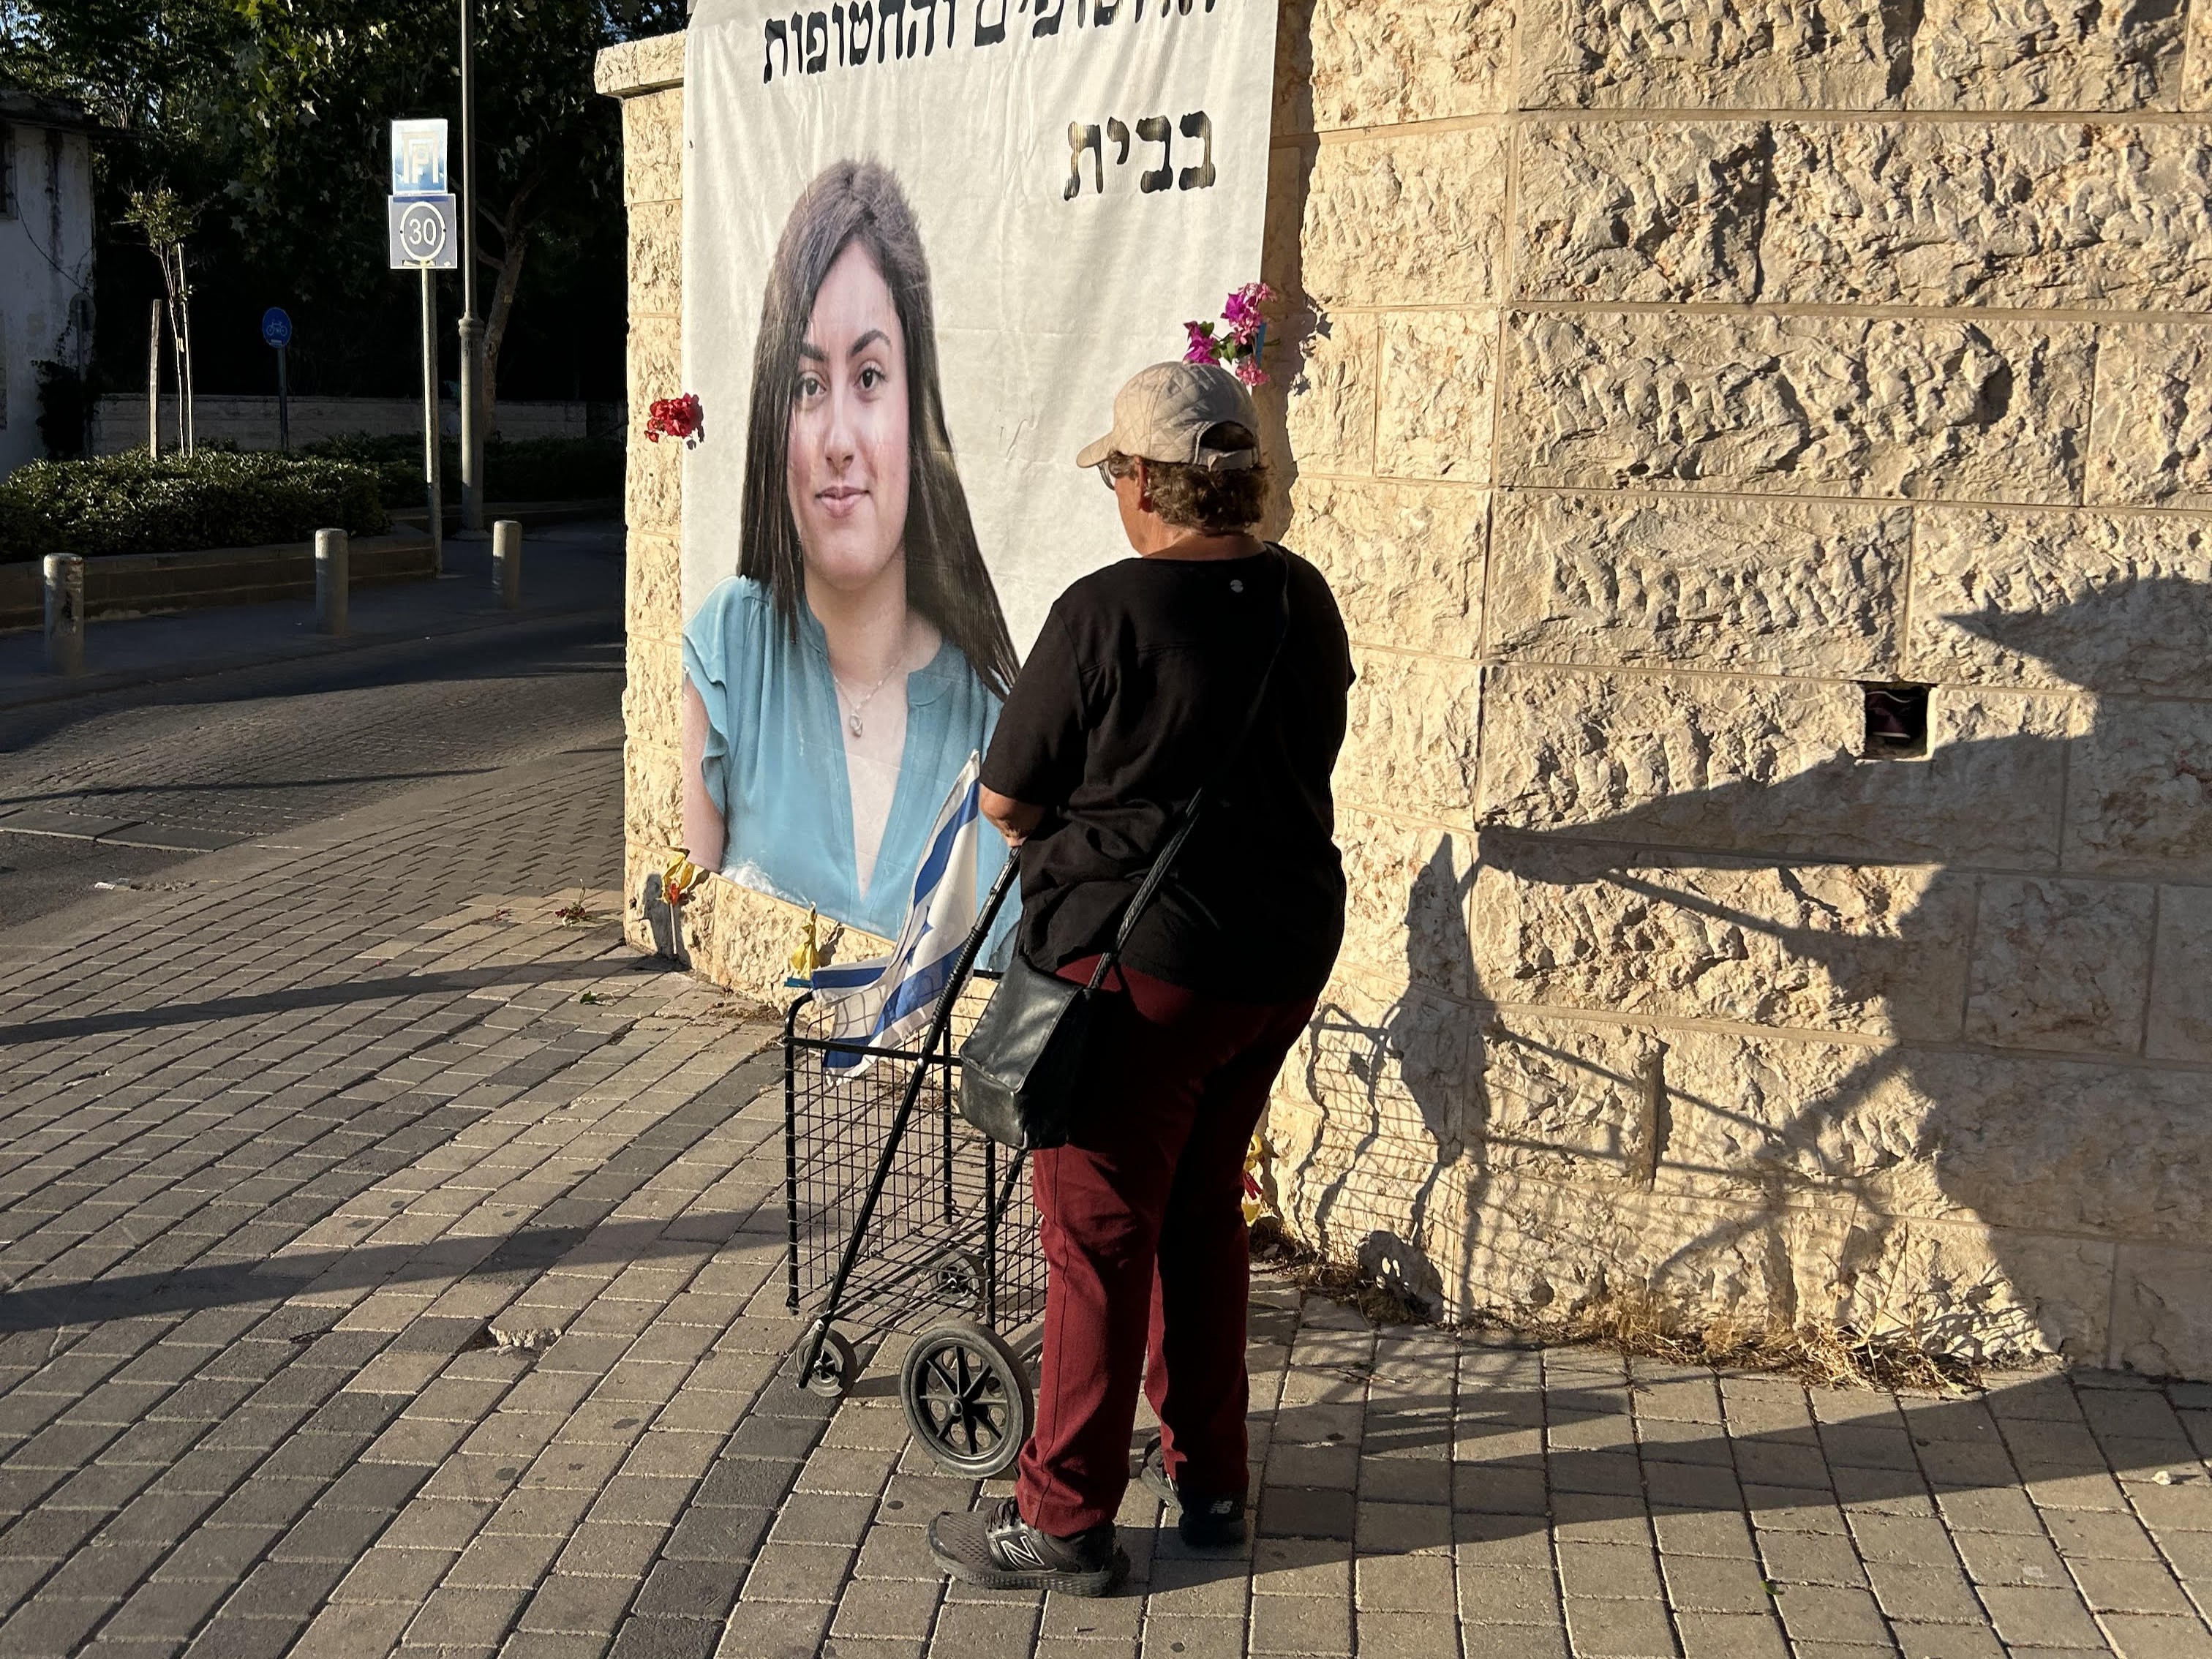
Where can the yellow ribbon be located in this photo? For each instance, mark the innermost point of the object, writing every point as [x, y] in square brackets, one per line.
[678, 879]
[808, 957]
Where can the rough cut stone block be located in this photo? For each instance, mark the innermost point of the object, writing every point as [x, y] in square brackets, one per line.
[1406, 901]
[1713, 54]
[2007, 214]
[2151, 435]
[1528, 1246]
[653, 147]
[1404, 560]
[1572, 1100]
[1382, 1068]
[1639, 210]
[652, 795]
[652, 689]
[1352, 64]
[1745, 764]
[1439, 380]
[2038, 1143]
[1785, 587]
[1410, 219]
[1874, 949]
[1328, 394]
[2181, 977]
[1814, 404]
[2028, 1142]
[2139, 799]
[653, 490]
[2161, 1317]
[656, 259]
[1750, 1116]
[1987, 1296]
[656, 370]
[2196, 84]
[652, 578]
[639, 66]
[2107, 602]
[1282, 238]
[2048, 54]
[2061, 964]
[1409, 744]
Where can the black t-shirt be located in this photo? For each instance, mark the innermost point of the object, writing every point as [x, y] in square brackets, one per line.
[1130, 700]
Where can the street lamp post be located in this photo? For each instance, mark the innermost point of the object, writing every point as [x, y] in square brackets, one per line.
[472, 328]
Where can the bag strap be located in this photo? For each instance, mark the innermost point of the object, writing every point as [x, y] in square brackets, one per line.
[1159, 873]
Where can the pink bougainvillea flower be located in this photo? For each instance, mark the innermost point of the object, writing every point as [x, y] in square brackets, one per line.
[1203, 348]
[1241, 312]
[1248, 371]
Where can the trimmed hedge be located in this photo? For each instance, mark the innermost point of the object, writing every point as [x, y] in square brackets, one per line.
[218, 498]
[530, 469]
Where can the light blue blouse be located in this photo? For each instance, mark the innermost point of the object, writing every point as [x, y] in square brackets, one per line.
[775, 760]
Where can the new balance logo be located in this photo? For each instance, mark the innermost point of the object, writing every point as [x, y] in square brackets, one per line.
[1012, 1547]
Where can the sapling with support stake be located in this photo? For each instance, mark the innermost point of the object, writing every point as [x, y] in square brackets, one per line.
[165, 222]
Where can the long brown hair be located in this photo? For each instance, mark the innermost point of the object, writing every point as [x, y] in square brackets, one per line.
[947, 579]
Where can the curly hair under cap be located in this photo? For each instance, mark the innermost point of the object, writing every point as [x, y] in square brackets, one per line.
[1199, 498]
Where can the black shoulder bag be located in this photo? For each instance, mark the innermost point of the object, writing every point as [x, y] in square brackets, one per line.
[1019, 1067]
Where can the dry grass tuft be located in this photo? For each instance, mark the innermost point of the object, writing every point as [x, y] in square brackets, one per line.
[1827, 1355]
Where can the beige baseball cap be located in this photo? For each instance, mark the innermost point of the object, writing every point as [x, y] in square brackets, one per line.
[1165, 411]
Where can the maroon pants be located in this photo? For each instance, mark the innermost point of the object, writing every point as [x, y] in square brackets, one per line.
[1145, 1247]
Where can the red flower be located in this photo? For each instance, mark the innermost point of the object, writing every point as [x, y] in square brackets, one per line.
[676, 417]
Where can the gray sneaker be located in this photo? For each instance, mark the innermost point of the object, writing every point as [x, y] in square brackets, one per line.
[995, 1548]
[1208, 1523]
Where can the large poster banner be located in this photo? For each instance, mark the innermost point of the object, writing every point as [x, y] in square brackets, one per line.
[924, 242]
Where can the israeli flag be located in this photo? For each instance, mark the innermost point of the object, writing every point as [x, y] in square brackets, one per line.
[885, 1000]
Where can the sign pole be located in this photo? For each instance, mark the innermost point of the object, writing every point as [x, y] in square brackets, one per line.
[471, 325]
[276, 335]
[430, 456]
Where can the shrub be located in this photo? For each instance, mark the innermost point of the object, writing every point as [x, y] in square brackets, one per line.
[529, 470]
[133, 504]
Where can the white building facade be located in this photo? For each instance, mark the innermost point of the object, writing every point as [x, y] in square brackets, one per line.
[45, 258]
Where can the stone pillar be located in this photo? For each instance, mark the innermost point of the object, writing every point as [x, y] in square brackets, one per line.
[65, 585]
[331, 581]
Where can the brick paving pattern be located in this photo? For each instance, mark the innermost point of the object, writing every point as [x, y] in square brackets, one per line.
[393, 1264]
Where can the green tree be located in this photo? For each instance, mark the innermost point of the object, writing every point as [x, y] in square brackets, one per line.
[269, 118]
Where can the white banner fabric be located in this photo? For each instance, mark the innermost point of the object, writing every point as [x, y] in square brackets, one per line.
[1082, 178]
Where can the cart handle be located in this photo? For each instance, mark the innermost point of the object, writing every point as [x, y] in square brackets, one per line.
[938, 1023]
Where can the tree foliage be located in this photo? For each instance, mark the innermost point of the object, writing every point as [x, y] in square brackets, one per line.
[269, 118]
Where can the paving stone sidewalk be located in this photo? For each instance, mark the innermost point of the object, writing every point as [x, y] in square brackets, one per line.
[393, 1262]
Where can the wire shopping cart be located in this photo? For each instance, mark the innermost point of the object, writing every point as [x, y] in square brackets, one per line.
[903, 1218]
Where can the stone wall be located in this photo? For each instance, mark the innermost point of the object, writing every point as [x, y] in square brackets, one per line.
[1660, 375]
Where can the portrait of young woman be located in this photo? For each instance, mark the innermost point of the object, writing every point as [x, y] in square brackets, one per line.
[838, 679]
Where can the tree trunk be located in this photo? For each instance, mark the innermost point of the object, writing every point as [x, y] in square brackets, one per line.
[513, 227]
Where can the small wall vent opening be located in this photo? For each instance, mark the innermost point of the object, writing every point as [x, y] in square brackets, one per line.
[1896, 721]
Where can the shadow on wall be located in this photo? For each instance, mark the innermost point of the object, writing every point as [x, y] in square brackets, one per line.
[1955, 1188]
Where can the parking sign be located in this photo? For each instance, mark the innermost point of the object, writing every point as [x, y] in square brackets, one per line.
[418, 157]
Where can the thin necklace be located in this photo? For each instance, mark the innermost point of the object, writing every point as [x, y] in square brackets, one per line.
[853, 713]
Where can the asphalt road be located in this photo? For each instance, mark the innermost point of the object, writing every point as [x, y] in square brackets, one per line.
[137, 781]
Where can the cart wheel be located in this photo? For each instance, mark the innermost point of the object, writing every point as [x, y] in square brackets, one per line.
[960, 1279]
[833, 1368]
[967, 1398]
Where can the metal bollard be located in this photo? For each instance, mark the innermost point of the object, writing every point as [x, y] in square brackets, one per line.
[507, 561]
[65, 613]
[331, 581]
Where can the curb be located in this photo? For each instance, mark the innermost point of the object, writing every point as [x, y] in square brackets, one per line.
[312, 646]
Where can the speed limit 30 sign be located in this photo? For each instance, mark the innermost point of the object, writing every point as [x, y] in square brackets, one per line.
[423, 233]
